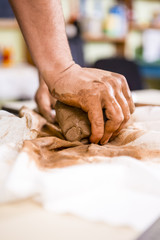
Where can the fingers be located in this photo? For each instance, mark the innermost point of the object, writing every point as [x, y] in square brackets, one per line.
[47, 112]
[124, 99]
[118, 112]
[115, 118]
[125, 110]
[127, 94]
[44, 105]
[118, 108]
[95, 116]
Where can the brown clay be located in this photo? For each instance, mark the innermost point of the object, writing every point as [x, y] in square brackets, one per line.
[73, 122]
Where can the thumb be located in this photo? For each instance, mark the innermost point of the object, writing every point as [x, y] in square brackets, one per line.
[44, 106]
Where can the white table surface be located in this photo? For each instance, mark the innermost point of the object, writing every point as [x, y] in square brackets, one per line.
[26, 220]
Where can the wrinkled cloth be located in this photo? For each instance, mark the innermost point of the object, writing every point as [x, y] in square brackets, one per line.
[117, 183]
[140, 139]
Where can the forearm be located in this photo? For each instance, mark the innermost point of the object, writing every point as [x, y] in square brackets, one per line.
[43, 27]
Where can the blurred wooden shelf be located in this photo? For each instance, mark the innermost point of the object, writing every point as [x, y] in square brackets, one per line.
[118, 42]
[102, 38]
[6, 23]
[143, 27]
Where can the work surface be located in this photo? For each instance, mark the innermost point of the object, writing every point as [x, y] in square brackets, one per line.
[28, 220]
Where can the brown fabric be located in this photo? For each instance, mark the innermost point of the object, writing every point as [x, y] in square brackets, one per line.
[51, 150]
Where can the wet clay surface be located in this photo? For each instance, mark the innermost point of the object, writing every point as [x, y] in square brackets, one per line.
[51, 150]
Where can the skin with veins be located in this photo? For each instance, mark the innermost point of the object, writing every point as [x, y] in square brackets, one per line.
[73, 122]
[92, 90]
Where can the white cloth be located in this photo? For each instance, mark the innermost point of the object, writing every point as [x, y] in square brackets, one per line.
[122, 191]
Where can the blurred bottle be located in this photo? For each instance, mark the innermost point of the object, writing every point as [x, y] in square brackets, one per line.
[0, 56]
[91, 17]
[83, 8]
[7, 57]
[116, 24]
[156, 19]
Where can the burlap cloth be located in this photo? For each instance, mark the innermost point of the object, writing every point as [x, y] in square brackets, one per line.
[140, 139]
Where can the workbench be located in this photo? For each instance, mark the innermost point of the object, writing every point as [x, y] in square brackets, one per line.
[26, 219]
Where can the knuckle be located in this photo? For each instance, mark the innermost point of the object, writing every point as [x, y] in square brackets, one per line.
[127, 117]
[99, 123]
[119, 119]
[129, 96]
[123, 79]
[90, 101]
[117, 84]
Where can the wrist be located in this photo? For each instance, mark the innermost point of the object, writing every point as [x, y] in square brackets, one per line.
[51, 74]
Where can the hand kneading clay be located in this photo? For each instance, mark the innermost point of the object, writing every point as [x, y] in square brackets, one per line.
[73, 122]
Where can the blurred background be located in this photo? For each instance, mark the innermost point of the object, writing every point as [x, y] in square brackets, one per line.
[121, 36]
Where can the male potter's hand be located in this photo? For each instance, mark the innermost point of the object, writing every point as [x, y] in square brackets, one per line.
[94, 90]
[45, 101]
